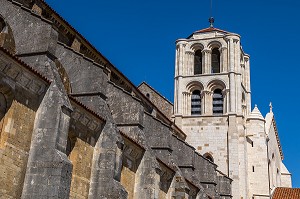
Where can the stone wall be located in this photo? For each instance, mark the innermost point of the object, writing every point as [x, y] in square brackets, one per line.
[74, 129]
[15, 138]
[163, 104]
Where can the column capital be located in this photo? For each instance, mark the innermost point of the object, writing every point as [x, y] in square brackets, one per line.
[206, 51]
[190, 52]
[223, 48]
[206, 92]
[225, 91]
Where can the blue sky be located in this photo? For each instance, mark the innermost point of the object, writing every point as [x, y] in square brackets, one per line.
[138, 37]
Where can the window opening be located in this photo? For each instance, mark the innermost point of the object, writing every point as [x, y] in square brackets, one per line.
[209, 157]
[2, 25]
[215, 61]
[196, 103]
[218, 102]
[198, 62]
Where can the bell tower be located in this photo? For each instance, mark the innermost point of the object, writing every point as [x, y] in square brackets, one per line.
[212, 99]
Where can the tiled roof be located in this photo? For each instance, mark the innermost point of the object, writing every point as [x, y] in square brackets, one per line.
[286, 193]
[211, 29]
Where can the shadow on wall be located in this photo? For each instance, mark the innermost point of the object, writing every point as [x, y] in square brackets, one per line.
[6, 36]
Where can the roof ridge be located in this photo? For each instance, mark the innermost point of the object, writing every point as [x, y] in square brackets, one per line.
[155, 91]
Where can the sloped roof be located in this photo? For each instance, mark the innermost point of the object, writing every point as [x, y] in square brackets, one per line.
[163, 97]
[270, 119]
[211, 29]
[286, 193]
[284, 170]
[255, 114]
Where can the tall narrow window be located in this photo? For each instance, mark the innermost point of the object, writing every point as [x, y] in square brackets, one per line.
[198, 62]
[218, 102]
[196, 103]
[215, 61]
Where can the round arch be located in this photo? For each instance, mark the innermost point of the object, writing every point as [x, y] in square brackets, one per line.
[194, 85]
[214, 44]
[197, 46]
[208, 156]
[216, 84]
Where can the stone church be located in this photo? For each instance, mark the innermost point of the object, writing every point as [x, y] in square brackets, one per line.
[73, 126]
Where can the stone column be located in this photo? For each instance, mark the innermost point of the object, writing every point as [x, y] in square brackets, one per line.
[232, 98]
[48, 173]
[225, 102]
[224, 59]
[208, 102]
[189, 66]
[238, 76]
[181, 57]
[248, 86]
[207, 61]
[203, 61]
[203, 102]
[184, 101]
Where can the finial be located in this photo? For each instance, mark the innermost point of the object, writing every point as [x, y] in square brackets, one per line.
[255, 105]
[211, 21]
[271, 107]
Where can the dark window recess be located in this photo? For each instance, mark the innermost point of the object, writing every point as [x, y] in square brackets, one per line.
[209, 157]
[196, 103]
[198, 62]
[252, 168]
[218, 102]
[215, 61]
[2, 24]
[148, 95]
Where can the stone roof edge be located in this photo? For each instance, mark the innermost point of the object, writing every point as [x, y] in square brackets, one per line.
[73, 99]
[83, 56]
[209, 29]
[155, 91]
[223, 174]
[22, 63]
[158, 120]
[277, 138]
[131, 139]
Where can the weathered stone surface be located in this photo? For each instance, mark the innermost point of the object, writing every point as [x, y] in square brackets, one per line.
[71, 130]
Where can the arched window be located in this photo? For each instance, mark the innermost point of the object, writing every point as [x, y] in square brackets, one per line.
[196, 103]
[198, 62]
[218, 102]
[209, 157]
[215, 61]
